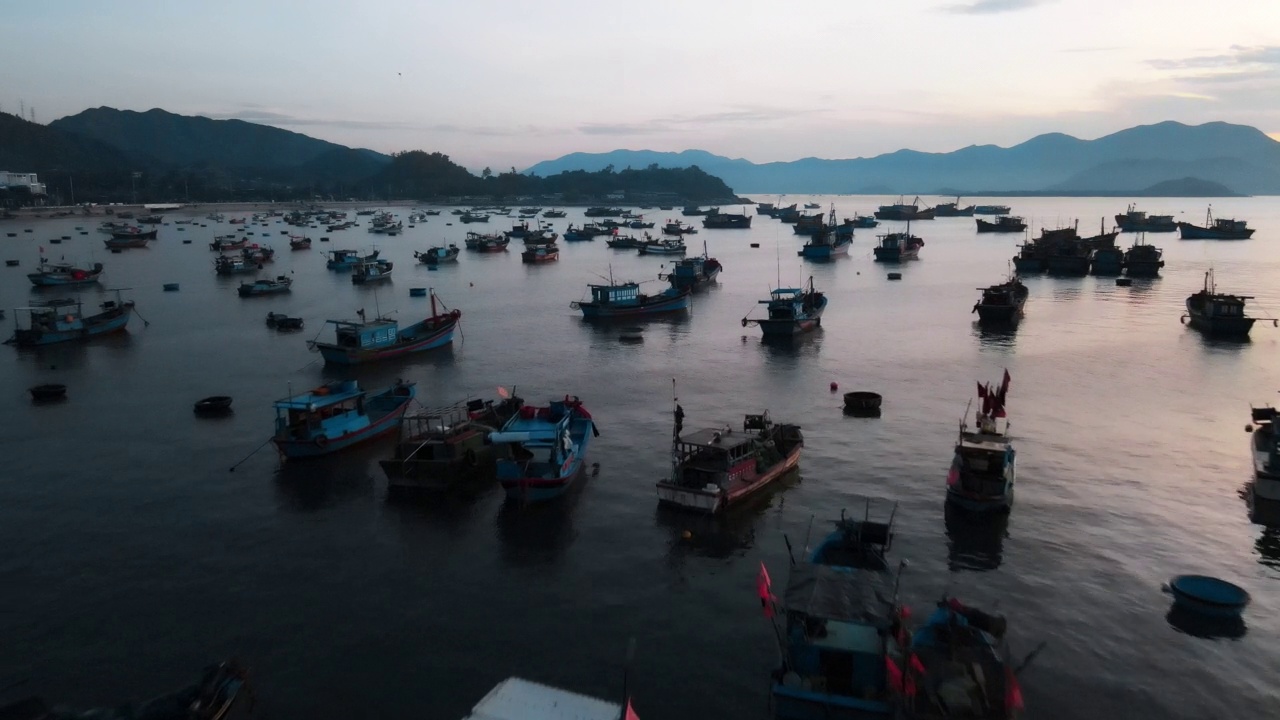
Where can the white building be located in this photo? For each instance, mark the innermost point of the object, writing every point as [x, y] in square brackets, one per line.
[17, 180]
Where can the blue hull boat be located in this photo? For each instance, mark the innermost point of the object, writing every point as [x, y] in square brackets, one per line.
[1209, 596]
[624, 300]
[548, 446]
[955, 668]
[359, 342]
[823, 250]
[63, 320]
[64, 275]
[342, 260]
[791, 312]
[336, 416]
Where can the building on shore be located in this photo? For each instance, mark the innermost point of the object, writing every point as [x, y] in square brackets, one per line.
[20, 188]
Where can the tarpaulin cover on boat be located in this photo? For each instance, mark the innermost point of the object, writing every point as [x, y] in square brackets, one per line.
[835, 593]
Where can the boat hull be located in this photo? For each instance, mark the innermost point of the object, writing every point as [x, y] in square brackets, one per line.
[981, 502]
[44, 280]
[985, 226]
[892, 255]
[1069, 266]
[999, 314]
[337, 355]
[825, 253]
[1143, 269]
[1195, 232]
[312, 448]
[714, 501]
[1220, 327]
[103, 324]
[592, 311]
[1127, 225]
[520, 488]
[789, 328]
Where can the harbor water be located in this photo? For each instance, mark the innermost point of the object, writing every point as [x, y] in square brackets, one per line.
[133, 557]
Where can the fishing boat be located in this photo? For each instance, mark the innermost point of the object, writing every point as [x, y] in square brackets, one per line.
[627, 242]
[336, 416]
[109, 227]
[903, 211]
[343, 260]
[982, 471]
[545, 449]
[437, 255]
[790, 312]
[282, 322]
[223, 243]
[812, 206]
[1033, 256]
[663, 247]
[358, 342]
[487, 243]
[1143, 260]
[957, 666]
[586, 232]
[640, 224]
[1133, 220]
[1218, 314]
[860, 543]
[119, 241]
[63, 274]
[842, 629]
[298, 242]
[602, 212]
[374, 271]
[864, 221]
[258, 254]
[715, 468]
[677, 228]
[63, 320]
[898, 247]
[826, 244]
[766, 209]
[540, 254]
[395, 228]
[440, 449]
[1107, 261]
[726, 221]
[695, 211]
[553, 213]
[624, 300]
[1265, 444]
[992, 210]
[1003, 303]
[789, 214]
[214, 696]
[1216, 229]
[1003, 224]
[266, 286]
[694, 272]
[468, 217]
[234, 265]
[953, 209]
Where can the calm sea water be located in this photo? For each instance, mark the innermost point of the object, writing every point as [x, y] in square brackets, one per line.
[132, 556]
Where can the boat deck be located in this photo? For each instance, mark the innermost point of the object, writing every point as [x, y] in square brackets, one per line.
[984, 441]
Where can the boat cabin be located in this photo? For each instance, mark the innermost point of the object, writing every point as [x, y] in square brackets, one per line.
[714, 457]
[335, 406]
[366, 336]
[57, 315]
[790, 303]
[839, 625]
[620, 294]
[983, 460]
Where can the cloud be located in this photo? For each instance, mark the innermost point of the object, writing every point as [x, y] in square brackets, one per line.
[267, 117]
[673, 123]
[1237, 55]
[991, 7]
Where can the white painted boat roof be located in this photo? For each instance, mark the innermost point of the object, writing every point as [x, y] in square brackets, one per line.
[520, 699]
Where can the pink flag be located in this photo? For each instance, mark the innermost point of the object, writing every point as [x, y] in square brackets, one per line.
[1012, 693]
[763, 585]
[894, 674]
[630, 714]
[502, 393]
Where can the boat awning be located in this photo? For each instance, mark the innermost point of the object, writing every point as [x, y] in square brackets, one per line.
[843, 594]
[519, 699]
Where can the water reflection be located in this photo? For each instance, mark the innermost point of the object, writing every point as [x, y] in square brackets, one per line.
[729, 534]
[1268, 547]
[998, 336]
[308, 486]
[539, 533]
[975, 542]
[1190, 622]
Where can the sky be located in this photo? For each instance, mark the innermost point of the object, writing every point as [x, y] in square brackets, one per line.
[509, 83]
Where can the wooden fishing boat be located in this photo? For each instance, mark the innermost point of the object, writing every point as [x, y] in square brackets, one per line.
[358, 342]
[1069, 258]
[298, 242]
[1003, 224]
[553, 213]
[624, 300]
[992, 210]
[663, 247]
[440, 449]
[437, 255]
[859, 543]
[957, 665]
[640, 224]
[47, 391]
[695, 211]
[468, 217]
[864, 221]
[258, 254]
[727, 221]
[1002, 304]
[953, 209]
[61, 274]
[903, 211]
[811, 224]
[151, 219]
[676, 228]
[540, 254]
[213, 405]
[63, 320]
[694, 272]
[982, 471]
[1133, 220]
[223, 243]
[602, 212]
[266, 286]
[1218, 314]
[1033, 256]
[119, 241]
[715, 468]
[628, 242]
[234, 265]
[790, 312]
[1107, 261]
[336, 416]
[898, 247]
[1216, 229]
[1143, 260]
[342, 260]
[546, 446]
[1265, 444]
[374, 271]
[827, 244]
[280, 321]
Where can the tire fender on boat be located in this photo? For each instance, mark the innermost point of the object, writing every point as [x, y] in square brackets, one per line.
[321, 441]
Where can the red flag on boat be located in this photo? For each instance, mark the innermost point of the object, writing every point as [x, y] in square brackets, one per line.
[1012, 693]
[893, 674]
[982, 391]
[630, 714]
[502, 393]
[763, 585]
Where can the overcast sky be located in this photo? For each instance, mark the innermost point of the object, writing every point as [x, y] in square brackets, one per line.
[505, 83]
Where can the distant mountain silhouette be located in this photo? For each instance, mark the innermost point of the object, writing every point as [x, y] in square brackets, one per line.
[30, 147]
[1237, 156]
[1188, 187]
[168, 140]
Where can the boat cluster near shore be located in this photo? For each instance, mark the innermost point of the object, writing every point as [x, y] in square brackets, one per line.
[847, 646]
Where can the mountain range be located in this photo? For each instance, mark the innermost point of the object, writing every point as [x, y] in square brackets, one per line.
[1238, 157]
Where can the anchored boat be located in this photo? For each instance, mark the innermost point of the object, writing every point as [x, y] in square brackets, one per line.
[336, 416]
[791, 311]
[957, 666]
[1218, 314]
[827, 243]
[358, 342]
[1216, 229]
[714, 468]
[547, 446]
[1133, 220]
[63, 320]
[1143, 260]
[1265, 444]
[343, 260]
[982, 472]
[442, 448]
[624, 300]
[535, 254]
[694, 272]
[898, 247]
[62, 274]
[266, 286]
[953, 209]
[903, 211]
[1003, 224]
[437, 255]
[373, 271]
[1003, 303]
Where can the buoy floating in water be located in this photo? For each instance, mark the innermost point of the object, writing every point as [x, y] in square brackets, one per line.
[834, 386]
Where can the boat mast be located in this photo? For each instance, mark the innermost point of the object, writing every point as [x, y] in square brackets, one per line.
[432, 291]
